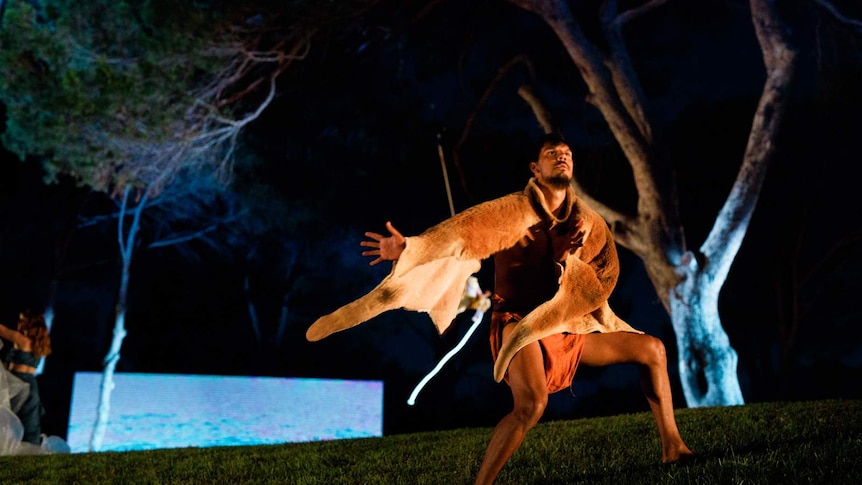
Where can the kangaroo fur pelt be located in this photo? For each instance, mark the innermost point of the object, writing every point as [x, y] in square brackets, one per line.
[432, 271]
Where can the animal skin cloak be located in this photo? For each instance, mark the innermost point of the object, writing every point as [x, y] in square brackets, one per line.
[431, 273]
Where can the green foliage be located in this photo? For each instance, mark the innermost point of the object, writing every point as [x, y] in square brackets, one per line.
[802, 442]
[88, 84]
[129, 92]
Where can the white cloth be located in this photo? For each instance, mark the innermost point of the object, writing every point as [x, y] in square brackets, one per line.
[13, 391]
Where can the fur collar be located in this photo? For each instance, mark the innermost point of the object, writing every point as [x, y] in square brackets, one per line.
[540, 205]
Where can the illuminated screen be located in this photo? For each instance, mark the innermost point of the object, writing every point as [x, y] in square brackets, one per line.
[149, 411]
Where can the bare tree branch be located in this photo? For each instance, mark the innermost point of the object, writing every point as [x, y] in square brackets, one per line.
[832, 9]
[622, 70]
[540, 111]
[636, 12]
[725, 238]
[471, 120]
[200, 233]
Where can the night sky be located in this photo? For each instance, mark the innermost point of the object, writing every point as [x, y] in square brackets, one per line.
[351, 142]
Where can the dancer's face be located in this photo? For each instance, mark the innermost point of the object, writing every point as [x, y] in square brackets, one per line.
[554, 166]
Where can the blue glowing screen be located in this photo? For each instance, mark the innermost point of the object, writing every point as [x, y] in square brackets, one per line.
[149, 411]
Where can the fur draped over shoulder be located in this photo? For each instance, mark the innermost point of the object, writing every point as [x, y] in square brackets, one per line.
[431, 274]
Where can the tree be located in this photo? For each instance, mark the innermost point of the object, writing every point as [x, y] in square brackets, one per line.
[193, 213]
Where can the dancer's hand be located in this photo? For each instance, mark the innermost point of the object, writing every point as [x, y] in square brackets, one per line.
[387, 248]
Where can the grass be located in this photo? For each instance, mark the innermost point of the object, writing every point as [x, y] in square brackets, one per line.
[765, 443]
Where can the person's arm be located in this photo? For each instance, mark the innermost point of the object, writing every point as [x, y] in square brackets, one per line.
[14, 336]
[386, 248]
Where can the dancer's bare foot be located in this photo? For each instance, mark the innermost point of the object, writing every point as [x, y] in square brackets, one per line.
[678, 455]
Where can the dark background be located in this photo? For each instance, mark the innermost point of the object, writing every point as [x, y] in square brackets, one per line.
[351, 142]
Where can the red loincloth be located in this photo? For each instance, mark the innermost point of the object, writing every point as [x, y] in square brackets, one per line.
[561, 352]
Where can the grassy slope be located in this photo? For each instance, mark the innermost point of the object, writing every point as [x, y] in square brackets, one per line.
[768, 443]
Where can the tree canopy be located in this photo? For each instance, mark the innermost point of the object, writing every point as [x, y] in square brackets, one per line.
[117, 93]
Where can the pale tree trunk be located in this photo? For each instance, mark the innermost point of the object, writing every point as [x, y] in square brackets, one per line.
[290, 275]
[688, 284]
[282, 319]
[48, 315]
[252, 309]
[284, 307]
[126, 241]
[695, 299]
[249, 298]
